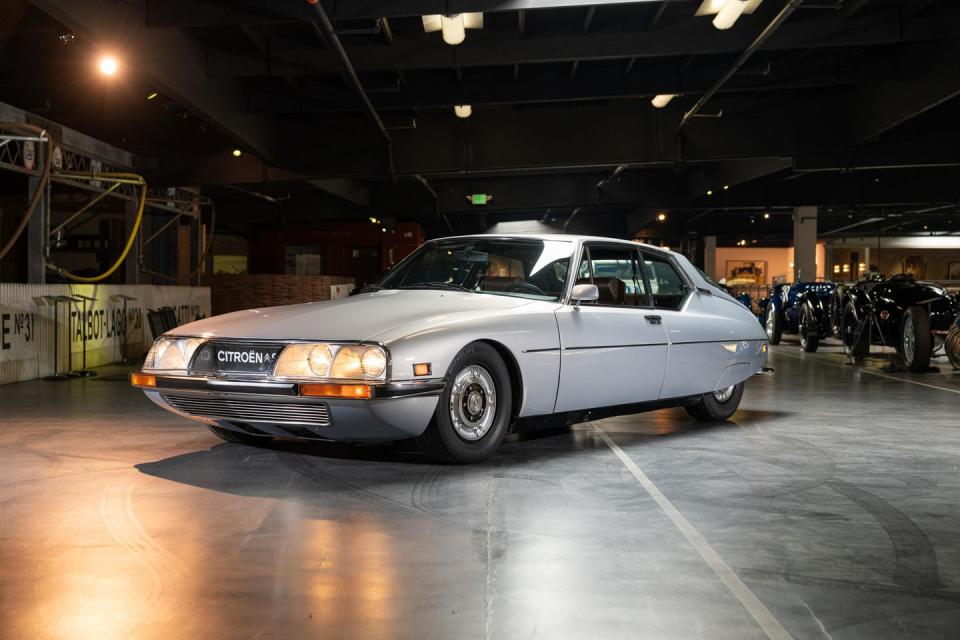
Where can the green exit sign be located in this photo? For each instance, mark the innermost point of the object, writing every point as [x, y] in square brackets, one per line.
[479, 198]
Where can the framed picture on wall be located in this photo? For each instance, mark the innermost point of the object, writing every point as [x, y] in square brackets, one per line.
[740, 272]
[914, 266]
[953, 271]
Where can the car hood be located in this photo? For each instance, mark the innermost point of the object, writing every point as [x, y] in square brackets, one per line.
[359, 317]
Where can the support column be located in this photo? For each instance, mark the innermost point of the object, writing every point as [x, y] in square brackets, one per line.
[38, 227]
[804, 243]
[710, 256]
[131, 267]
[184, 251]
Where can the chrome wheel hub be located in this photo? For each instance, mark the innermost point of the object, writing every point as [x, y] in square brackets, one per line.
[473, 402]
[722, 395]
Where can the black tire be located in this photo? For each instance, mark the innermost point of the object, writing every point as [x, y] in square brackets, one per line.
[952, 346]
[915, 327]
[236, 437]
[855, 349]
[809, 334]
[709, 409]
[441, 441]
[774, 324]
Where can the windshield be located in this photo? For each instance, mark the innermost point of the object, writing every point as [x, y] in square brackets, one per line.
[520, 267]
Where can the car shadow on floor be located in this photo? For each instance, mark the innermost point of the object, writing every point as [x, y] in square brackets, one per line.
[396, 474]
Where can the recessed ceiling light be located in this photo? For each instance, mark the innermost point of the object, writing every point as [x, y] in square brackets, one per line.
[237, 153]
[661, 217]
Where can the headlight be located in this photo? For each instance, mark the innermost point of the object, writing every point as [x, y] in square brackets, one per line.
[319, 360]
[374, 362]
[171, 354]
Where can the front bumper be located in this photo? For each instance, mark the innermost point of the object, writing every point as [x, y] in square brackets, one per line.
[394, 411]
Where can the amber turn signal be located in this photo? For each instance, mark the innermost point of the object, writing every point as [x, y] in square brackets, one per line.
[143, 380]
[360, 391]
[422, 369]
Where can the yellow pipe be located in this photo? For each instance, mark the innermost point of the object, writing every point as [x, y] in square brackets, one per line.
[133, 234]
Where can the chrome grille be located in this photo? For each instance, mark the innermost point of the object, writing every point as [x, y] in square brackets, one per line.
[250, 410]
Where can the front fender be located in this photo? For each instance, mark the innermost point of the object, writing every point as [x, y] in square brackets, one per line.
[528, 334]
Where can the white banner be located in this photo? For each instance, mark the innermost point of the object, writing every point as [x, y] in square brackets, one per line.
[36, 319]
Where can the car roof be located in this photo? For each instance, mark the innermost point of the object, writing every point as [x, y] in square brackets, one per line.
[561, 237]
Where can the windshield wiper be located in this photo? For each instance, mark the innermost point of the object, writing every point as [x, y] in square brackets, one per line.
[438, 285]
[368, 288]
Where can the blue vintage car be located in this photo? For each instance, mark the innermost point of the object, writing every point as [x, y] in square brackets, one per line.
[801, 308]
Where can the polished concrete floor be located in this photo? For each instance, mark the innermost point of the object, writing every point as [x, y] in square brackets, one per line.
[827, 508]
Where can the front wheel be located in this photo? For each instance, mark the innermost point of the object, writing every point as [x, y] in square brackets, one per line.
[809, 334]
[774, 324]
[915, 339]
[855, 335]
[473, 412]
[717, 406]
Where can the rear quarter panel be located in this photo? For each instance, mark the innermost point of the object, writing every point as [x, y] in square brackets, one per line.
[713, 340]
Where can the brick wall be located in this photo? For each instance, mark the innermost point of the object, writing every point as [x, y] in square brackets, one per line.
[233, 292]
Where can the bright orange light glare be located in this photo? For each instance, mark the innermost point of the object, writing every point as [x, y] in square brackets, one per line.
[108, 65]
[361, 391]
[143, 380]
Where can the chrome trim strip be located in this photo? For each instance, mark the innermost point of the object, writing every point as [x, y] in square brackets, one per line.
[243, 388]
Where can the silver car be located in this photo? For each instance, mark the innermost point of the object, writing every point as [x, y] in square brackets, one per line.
[467, 339]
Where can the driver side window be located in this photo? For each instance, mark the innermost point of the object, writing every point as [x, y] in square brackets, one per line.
[618, 274]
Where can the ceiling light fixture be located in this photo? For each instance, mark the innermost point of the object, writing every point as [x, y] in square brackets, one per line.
[452, 27]
[662, 100]
[152, 95]
[766, 215]
[237, 153]
[463, 110]
[728, 16]
[661, 217]
[726, 12]
[108, 65]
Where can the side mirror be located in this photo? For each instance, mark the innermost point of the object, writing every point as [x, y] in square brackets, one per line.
[585, 293]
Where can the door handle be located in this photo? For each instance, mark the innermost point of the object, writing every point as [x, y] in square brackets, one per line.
[654, 319]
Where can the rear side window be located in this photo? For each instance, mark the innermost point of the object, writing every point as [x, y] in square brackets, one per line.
[666, 285]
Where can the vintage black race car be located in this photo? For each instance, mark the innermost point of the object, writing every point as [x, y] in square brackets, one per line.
[802, 308]
[900, 312]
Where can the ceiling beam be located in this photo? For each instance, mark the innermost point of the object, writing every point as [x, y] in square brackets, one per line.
[197, 13]
[925, 76]
[491, 47]
[731, 173]
[500, 86]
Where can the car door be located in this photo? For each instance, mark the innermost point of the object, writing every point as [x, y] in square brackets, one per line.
[613, 351]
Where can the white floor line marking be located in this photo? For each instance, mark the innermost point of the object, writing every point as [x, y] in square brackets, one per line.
[770, 625]
[872, 373]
